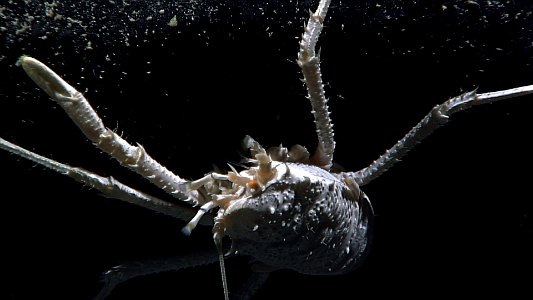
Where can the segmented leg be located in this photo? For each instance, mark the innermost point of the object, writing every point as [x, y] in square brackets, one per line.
[127, 271]
[109, 187]
[254, 283]
[84, 116]
[309, 62]
[437, 117]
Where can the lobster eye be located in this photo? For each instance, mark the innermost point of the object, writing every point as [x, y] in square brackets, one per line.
[253, 186]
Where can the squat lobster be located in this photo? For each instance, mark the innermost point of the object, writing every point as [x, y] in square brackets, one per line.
[287, 210]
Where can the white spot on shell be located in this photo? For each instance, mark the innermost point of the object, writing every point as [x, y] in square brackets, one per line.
[255, 227]
[272, 210]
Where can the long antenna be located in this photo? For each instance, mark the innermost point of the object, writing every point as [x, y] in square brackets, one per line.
[218, 233]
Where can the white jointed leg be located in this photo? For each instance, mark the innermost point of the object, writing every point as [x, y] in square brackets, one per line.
[437, 117]
[84, 116]
[309, 62]
[108, 186]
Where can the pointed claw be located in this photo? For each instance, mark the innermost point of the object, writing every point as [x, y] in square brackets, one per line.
[45, 78]
[201, 212]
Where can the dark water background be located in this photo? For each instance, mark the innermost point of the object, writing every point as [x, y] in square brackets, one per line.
[454, 218]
